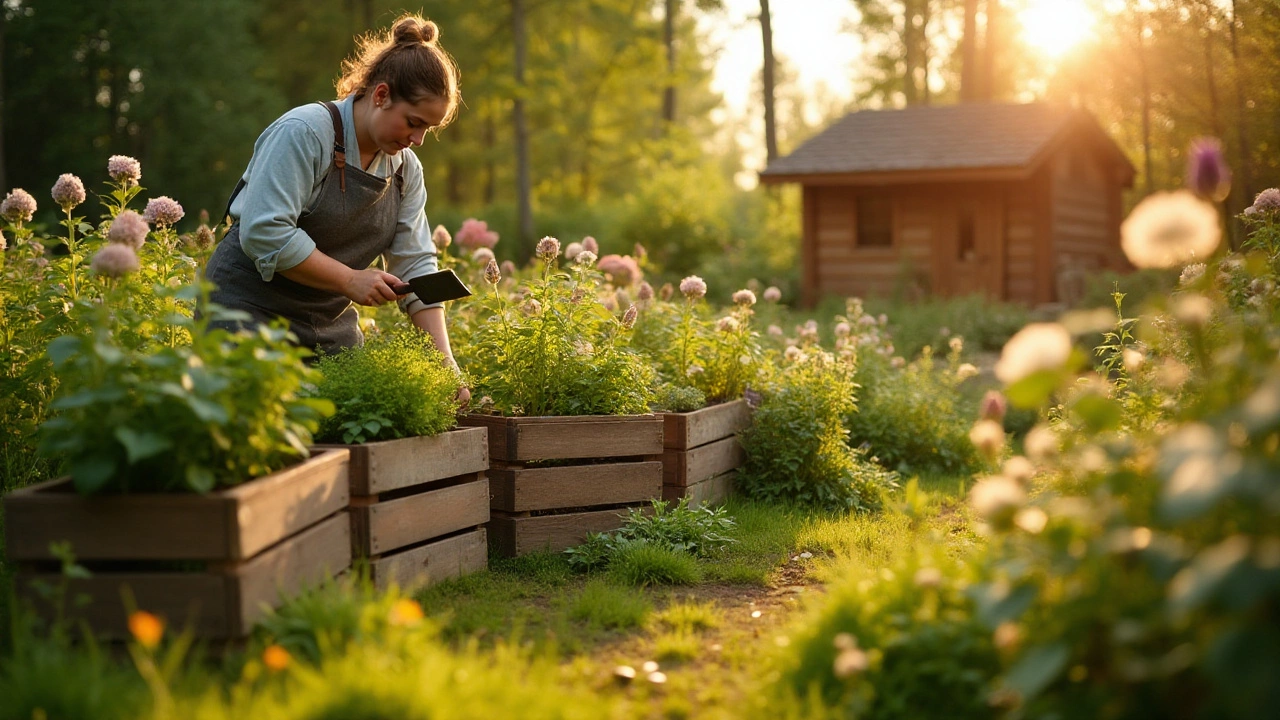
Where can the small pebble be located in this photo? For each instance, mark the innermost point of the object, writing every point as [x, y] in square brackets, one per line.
[806, 555]
[624, 674]
[657, 678]
[649, 666]
[756, 613]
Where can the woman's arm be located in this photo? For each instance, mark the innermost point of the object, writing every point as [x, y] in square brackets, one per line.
[366, 287]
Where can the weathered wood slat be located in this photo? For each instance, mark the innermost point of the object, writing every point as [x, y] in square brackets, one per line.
[513, 439]
[682, 431]
[216, 603]
[431, 563]
[514, 536]
[528, 489]
[232, 524]
[682, 468]
[380, 467]
[712, 491]
[392, 524]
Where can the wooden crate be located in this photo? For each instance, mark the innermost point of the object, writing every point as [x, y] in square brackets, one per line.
[225, 525]
[702, 452]
[212, 561]
[606, 465]
[410, 496]
[223, 600]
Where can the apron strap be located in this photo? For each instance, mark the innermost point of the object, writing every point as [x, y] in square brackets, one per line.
[226, 214]
[339, 145]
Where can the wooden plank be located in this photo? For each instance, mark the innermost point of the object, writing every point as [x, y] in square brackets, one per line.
[380, 467]
[230, 524]
[688, 467]
[681, 431]
[393, 524]
[429, 564]
[517, 439]
[712, 491]
[514, 536]
[287, 569]
[571, 486]
[200, 601]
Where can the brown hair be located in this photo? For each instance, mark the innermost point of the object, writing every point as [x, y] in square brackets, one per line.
[409, 59]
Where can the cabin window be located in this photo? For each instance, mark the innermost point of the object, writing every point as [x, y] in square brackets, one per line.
[966, 248]
[875, 222]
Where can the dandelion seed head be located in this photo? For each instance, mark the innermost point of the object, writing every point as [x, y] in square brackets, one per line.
[1169, 229]
[68, 191]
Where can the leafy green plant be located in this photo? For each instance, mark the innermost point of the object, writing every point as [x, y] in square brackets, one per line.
[218, 412]
[644, 563]
[796, 445]
[556, 350]
[699, 531]
[395, 385]
[678, 398]
[609, 606]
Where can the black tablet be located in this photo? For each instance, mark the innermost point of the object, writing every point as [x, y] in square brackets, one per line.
[434, 287]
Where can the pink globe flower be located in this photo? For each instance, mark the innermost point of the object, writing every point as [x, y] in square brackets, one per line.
[124, 169]
[18, 206]
[114, 260]
[129, 228]
[163, 211]
[481, 256]
[68, 192]
[476, 234]
[1267, 201]
[772, 294]
[572, 250]
[745, 298]
[507, 267]
[585, 258]
[548, 249]
[441, 238]
[589, 243]
[645, 292]
[624, 269]
[693, 287]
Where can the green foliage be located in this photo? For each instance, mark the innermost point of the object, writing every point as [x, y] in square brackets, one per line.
[796, 446]
[642, 564]
[609, 606]
[699, 531]
[215, 413]
[983, 323]
[678, 398]
[891, 643]
[396, 385]
[558, 350]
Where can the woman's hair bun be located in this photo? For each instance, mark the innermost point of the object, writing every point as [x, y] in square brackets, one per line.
[412, 30]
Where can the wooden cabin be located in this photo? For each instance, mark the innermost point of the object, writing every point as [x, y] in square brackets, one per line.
[1020, 202]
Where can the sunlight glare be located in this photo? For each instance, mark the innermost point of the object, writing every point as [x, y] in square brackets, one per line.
[1054, 27]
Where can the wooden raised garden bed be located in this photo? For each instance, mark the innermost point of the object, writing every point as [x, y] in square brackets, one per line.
[701, 452]
[555, 479]
[214, 562]
[419, 506]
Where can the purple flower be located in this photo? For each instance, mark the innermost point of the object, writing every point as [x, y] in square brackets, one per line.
[114, 260]
[18, 206]
[572, 250]
[68, 192]
[163, 211]
[124, 169]
[623, 268]
[589, 243]
[481, 256]
[629, 317]
[476, 234]
[693, 287]
[1267, 201]
[772, 294]
[507, 267]
[645, 292]
[1207, 171]
[548, 249]
[129, 228]
[441, 237]
[491, 273]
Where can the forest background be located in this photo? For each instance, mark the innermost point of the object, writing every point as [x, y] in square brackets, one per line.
[598, 116]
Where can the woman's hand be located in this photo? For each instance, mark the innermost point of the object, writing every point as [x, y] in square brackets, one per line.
[370, 287]
[463, 397]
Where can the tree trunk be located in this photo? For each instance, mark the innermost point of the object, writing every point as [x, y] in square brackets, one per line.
[524, 187]
[922, 37]
[910, 53]
[4, 187]
[770, 120]
[669, 40]
[1242, 135]
[969, 53]
[453, 182]
[991, 42]
[490, 166]
[1144, 78]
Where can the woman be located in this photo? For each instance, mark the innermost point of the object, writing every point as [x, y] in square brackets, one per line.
[328, 190]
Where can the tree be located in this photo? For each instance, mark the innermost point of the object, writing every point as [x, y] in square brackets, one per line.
[770, 122]
[524, 191]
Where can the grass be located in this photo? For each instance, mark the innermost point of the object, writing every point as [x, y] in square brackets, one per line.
[532, 621]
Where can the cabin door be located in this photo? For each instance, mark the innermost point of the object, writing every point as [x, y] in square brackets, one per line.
[976, 247]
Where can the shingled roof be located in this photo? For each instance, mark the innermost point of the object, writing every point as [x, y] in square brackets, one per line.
[969, 136]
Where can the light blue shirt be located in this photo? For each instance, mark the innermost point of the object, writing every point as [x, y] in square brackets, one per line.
[289, 163]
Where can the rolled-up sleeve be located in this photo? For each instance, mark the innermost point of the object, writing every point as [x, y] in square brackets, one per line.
[287, 162]
[412, 253]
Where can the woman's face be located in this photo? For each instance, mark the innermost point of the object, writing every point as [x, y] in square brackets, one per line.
[400, 124]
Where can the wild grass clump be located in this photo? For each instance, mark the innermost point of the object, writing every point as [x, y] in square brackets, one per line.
[642, 564]
[699, 532]
[609, 606]
[395, 385]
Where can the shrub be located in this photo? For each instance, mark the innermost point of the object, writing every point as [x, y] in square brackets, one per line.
[675, 398]
[396, 385]
[796, 447]
[679, 528]
[644, 563]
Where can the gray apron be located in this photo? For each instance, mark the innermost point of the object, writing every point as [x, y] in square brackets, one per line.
[353, 221]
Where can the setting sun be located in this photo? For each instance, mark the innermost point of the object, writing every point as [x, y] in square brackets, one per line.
[1054, 27]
